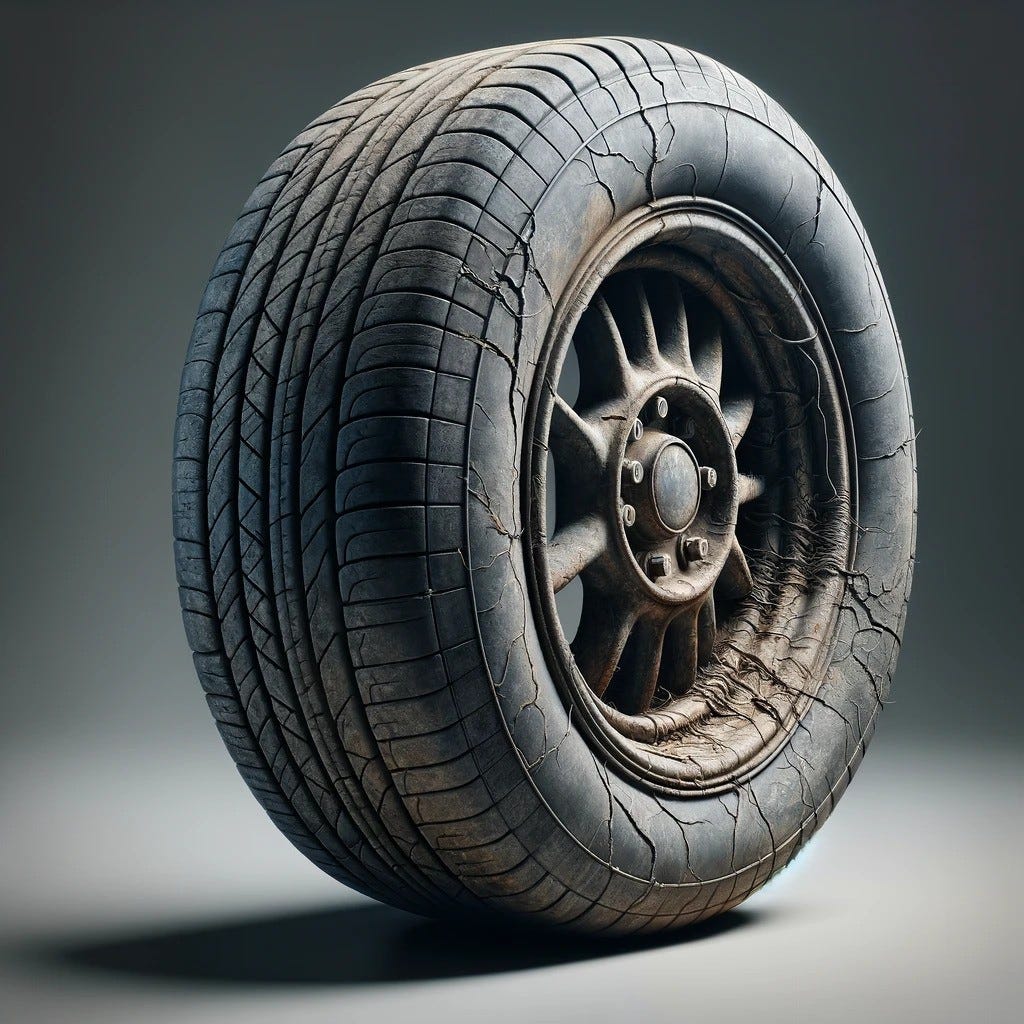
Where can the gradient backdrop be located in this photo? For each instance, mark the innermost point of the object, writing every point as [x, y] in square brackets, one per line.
[131, 135]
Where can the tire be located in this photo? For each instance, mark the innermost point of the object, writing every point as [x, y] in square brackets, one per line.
[455, 315]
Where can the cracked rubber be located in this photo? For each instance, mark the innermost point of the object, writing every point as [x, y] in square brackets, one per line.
[347, 520]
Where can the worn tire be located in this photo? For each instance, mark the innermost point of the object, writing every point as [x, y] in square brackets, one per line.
[349, 516]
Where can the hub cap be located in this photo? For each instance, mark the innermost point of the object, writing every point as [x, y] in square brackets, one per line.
[675, 491]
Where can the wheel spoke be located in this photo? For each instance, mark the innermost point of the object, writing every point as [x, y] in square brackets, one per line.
[573, 548]
[706, 628]
[679, 666]
[674, 330]
[735, 580]
[604, 371]
[574, 443]
[638, 324]
[604, 629]
[706, 348]
[637, 678]
[738, 412]
[626, 296]
[750, 487]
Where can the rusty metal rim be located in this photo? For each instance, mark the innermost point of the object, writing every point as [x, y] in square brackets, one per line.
[681, 236]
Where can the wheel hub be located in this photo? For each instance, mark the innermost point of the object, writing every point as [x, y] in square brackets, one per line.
[678, 492]
[668, 494]
[687, 410]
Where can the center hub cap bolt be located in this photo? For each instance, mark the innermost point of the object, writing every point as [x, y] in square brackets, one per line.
[693, 549]
[708, 477]
[657, 566]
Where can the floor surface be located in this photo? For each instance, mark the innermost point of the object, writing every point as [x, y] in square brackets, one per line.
[144, 884]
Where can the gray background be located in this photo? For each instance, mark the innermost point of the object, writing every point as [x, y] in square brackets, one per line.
[132, 134]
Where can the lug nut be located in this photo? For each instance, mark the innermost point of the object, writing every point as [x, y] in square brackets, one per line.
[693, 549]
[660, 407]
[657, 566]
[638, 430]
[628, 515]
[687, 429]
[708, 477]
[632, 471]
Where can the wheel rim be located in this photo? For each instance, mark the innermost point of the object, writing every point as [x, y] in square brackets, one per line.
[704, 519]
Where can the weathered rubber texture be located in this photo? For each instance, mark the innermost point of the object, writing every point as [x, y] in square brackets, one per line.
[347, 510]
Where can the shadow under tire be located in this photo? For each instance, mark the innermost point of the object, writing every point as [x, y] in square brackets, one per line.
[544, 487]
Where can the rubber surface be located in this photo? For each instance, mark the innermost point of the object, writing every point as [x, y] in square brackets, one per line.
[346, 506]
